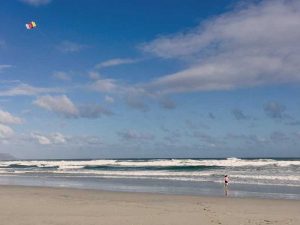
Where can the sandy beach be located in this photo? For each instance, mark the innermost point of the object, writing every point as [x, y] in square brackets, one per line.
[54, 206]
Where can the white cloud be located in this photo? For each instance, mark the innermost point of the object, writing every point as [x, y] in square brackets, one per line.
[41, 139]
[116, 62]
[69, 47]
[5, 131]
[36, 2]
[61, 76]
[50, 139]
[135, 135]
[59, 104]
[134, 96]
[167, 103]
[94, 75]
[275, 110]
[58, 138]
[105, 85]
[136, 102]
[251, 46]
[25, 89]
[7, 118]
[93, 111]
[109, 99]
[64, 106]
[86, 141]
[4, 66]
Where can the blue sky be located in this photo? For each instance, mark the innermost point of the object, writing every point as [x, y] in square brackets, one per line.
[165, 78]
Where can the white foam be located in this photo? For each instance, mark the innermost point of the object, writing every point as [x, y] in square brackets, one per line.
[280, 178]
[230, 162]
[239, 170]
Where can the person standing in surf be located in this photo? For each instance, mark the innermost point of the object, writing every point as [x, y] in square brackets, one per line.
[226, 182]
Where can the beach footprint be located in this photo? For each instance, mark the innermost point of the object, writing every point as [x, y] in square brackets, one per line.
[212, 215]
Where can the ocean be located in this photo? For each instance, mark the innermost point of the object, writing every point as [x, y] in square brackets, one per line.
[263, 178]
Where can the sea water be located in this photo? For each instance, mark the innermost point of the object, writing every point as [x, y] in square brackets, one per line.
[269, 178]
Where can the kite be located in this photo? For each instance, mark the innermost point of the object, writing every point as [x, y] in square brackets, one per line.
[30, 25]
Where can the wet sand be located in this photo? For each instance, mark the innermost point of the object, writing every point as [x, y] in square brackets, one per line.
[55, 206]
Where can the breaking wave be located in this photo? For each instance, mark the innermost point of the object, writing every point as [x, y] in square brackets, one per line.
[258, 171]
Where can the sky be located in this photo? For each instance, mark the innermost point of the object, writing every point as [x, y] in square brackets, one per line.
[140, 79]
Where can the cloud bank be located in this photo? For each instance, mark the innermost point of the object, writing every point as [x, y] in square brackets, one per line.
[252, 46]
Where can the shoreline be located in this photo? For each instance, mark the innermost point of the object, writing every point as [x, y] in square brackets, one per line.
[189, 195]
[156, 186]
[60, 205]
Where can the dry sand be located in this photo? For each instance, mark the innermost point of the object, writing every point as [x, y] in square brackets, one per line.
[55, 206]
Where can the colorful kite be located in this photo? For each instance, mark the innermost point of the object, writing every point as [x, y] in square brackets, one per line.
[30, 25]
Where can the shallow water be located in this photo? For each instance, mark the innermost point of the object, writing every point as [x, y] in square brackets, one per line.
[267, 178]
